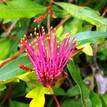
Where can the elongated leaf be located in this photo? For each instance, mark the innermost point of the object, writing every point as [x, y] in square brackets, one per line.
[100, 4]
[104, 98]
[96, 101]
[12, 70]
[20, 8]
[4, 44]
[75, 73]
[87, 37]
[90, 36]
[59, 12]
[84, 13]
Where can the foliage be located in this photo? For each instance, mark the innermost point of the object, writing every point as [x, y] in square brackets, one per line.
[86, 21]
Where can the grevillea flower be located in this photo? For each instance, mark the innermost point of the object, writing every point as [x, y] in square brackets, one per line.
[48, 56]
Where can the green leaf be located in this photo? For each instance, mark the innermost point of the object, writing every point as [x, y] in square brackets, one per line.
[19, 89]
[11, 70]
[71, 103]
[75, 73]
[100, 4]
[90, 36]
[21, 26]
[96, 101]
[20, 8]
[74, 91]
[59, 91]
[4, 48]
[17, 104]
[2, 87]
[59, 31]
[104, 98]
[69, 26]
[84, 13]
[28, 76]
[59, 12]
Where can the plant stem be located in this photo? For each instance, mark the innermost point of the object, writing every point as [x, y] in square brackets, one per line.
[11, 58]
[48, 23]
[63, 21]
[49, 16]
[11, 28]
[56, 100]
[7, 96]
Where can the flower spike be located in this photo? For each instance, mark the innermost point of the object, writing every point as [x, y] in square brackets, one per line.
[48, 56]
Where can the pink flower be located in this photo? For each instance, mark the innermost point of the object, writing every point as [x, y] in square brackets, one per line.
[47, 57]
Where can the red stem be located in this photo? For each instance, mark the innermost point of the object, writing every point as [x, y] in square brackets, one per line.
[56, 100]
[11, 58]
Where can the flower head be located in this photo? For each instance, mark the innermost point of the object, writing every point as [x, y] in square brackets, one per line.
[48, 56]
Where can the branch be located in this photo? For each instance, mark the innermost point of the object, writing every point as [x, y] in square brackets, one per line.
[12, 58]
[62, 21]
[56, 100]
[7, 96]
[104, 12]
[10, 28]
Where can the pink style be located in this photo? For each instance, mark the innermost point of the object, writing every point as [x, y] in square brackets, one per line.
[48, 56]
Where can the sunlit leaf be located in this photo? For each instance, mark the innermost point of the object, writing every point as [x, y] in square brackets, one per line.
[4, 48]
[2, 87]
[20, 8]
[59, 32]
[27, 76]
[40, 102]
[38, 95]
[73, 25]
[39, 89]
[86, 48]
[84, 13]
